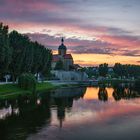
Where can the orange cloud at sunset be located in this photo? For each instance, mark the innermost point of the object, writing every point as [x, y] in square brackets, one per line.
[95, 59]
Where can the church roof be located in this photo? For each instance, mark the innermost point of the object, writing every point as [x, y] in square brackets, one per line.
[68, 56]
[55, 58]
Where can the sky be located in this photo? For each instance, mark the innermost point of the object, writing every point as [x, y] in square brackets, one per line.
[95, 31]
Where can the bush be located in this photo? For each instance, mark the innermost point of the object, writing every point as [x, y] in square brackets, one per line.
[27, 81]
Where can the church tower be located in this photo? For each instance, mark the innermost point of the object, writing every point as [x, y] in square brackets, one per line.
[62, 49]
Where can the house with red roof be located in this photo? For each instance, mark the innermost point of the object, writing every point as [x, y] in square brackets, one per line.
[62, 56]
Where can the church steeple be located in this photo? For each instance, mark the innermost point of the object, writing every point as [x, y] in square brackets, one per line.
[62, 48]
[62, 40]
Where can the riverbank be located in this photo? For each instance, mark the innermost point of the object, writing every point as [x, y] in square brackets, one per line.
[8, 91]
[12, 90]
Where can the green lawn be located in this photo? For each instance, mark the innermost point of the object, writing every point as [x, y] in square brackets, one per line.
[44, 86]
[8, 88]
[12, 90]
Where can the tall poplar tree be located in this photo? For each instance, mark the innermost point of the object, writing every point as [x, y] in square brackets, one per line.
[5, 50]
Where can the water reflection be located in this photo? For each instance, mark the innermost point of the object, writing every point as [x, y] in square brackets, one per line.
[125, 92]
[26, 116]
[102, 94]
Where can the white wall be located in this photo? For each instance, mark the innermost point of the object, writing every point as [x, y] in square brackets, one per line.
[70, 75]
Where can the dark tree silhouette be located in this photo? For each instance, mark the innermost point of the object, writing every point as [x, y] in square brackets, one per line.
[103, 69]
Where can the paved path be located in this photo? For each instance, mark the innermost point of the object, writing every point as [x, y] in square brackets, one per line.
[54, 82]
[57, 82]
[3, 83]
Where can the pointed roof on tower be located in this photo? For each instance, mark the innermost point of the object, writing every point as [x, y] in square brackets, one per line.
[62, 46]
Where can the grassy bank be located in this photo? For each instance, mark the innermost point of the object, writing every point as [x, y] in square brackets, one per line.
[12, 90]
[45, 86]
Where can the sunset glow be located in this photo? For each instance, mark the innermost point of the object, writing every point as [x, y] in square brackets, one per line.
[94, 31]
[90, 59]
[92, 93]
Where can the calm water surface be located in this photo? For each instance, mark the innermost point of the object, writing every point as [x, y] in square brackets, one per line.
[73, 113]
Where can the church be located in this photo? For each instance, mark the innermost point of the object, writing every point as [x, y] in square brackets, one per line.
[68, 71]
[66, 59]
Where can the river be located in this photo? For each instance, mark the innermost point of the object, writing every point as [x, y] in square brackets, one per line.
[83, 113]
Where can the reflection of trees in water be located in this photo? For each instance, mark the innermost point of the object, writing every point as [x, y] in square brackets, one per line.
[30, 119]
[124, 92]
[34, 112]
[121, 91]
[102, 94]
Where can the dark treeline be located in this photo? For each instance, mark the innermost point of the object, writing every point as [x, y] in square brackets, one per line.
[18, 54]
[118, 70]
[127, 70]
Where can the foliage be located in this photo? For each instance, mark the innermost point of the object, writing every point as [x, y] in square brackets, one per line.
[118, 70]
[27, 82]
[127, 70]
[92, 72]
[18, 54]
[103, 69]
[19, 44]
[28, 56]
[59, 65]
[5, 50]
[41, 59]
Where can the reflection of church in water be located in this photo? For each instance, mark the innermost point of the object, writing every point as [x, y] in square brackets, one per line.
[63, 99]
[38, 111]
[30, 112]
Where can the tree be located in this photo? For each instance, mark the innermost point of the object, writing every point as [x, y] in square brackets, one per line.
[19, 43]
[46, 62]
[28, 56]
[103, 69]
[18, 54]
[42, 58]
[27, 81]
[59, 65]
[5, 50]
[37, 58]
[118, 69]
[126, 70]
[102, 94]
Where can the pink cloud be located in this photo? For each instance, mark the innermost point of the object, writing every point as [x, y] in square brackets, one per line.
[120, 111]
[122, 41]
[101, 40]
[19, 6]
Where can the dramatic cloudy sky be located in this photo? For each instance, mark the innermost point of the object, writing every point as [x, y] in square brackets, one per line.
[95, 31]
